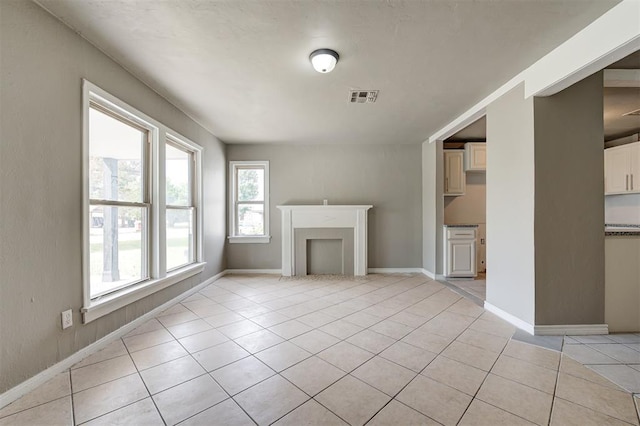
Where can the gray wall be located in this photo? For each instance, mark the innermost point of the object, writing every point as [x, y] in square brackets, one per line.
[432, 206]
[387, 176]
[41, 188]
[510, 205]
[569, 205]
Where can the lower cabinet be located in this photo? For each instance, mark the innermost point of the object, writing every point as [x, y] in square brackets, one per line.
[460, 252]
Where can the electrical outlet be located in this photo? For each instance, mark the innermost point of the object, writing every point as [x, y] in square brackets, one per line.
[67, 319]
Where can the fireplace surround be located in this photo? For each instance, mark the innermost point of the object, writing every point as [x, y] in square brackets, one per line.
[344, 222]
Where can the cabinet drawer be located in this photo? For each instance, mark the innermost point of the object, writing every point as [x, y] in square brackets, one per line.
[461, 234]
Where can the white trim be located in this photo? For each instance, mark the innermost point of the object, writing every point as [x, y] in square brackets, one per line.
[253, 271]
[252, 240]
[395, 270]
[233, 238]
[523, 325]
[571, 329]
[429, 274]
[30, 384]
[111, 302]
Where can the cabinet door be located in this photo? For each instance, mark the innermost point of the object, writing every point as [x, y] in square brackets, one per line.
[617, 165]
[462, 258]
[454, 172]
[634, 170]
[476, 157]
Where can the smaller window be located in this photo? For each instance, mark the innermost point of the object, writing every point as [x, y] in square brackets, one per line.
[249, 202]
[180, 206]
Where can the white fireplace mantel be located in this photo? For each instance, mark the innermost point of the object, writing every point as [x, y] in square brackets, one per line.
[324, 216]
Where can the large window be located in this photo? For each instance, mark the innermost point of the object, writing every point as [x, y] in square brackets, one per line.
[249, 201]
[119, 200]
[142, 227]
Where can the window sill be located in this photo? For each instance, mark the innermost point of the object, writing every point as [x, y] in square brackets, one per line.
[264, 239]
[111, 302]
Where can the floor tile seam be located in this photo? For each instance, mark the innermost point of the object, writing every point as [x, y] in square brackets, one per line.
[480, 347]
[475, 395]
[593, 409]
[38, 405]
[409, 407]
[96, 362]
[519, 415]
[636, 402]
[552, 394]
[116, 409]
[189, 335]
[612, 356]
[229, 397]
[507, 411]
[207, 408]
[532, 363]
[145, 383]
[270, 377]
[107, 381]
[142, 370]
[618, 388]
[321, 390]
[275, 373]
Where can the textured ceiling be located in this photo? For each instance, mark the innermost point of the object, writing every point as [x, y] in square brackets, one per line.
[617, 101]
[241, 68]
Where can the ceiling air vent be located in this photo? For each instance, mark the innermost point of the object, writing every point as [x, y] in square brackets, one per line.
[363, 96]
[636, 112]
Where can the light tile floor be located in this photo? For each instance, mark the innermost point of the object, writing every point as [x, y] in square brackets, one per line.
[614, 356]
[474, 287]
[385, 350]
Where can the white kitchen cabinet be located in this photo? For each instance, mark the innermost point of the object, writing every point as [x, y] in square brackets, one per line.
[460, 252]
[622, 169]
[475, 155]
[454, 178]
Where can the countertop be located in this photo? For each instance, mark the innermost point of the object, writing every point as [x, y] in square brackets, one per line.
[615, 229]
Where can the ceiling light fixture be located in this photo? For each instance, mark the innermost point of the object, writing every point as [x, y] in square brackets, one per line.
[324, 60]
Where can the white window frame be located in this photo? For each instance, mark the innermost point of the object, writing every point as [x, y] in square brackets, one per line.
[178, 143]
[159, 277]
[233, 195]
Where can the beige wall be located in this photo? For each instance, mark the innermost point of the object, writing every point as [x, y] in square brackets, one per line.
[510, 205]
[471, 207]
[622, 283]
[569, 205]
[386, 176]
[42, 65]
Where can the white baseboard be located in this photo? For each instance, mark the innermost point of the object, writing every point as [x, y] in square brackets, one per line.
[253, 271]
[429, 274]
[571, 329]
[523, 325]
[394, 270]
[30, 384]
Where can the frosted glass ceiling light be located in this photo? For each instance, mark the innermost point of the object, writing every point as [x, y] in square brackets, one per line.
[324, 60]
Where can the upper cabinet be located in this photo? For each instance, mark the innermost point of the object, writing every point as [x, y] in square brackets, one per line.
[475, 157]
[454, 179]
[622, 169]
